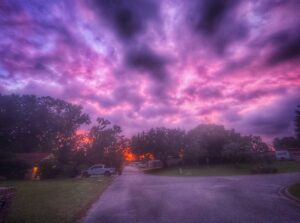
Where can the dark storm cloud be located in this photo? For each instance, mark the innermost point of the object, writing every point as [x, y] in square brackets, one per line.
[16, 60]
[158, 111]
[217, 22]
[204, 92]
[263, 6]
[30, 26]
[146, 63]
[274, 119]
[286, 46]
[127, 18]
[145, 59]
[244, 96]
[128, 93]
[211, 14]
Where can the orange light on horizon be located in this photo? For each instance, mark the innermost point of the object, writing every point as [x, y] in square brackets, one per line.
[148, 156]
[84, 137]
[130, 156]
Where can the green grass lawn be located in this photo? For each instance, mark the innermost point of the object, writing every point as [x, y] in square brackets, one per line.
[54, 201]
[223, 170]
[295, 190]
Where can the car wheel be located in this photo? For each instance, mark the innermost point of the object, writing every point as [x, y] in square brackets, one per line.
[85, 174]
[107, 174]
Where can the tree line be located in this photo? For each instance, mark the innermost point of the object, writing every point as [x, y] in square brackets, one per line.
[290, 141]
[44, 124]
[210, 143]
[207, 143]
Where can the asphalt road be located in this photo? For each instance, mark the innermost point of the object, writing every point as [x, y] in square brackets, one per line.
[138, 198]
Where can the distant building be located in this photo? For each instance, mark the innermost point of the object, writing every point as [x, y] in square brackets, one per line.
[33, 160]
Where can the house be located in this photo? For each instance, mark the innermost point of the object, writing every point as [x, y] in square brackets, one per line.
[32, 160]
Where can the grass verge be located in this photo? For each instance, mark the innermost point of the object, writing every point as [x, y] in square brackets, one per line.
[223, 170]
[54, 201]
[295, 190]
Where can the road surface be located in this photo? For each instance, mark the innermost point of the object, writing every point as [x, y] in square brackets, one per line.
[138, 198]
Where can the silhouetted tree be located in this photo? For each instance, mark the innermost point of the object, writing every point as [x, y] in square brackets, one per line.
[106, 144]
[29, 123]
[285, 142]
[297, 122]
[160, 142]
[206, 141]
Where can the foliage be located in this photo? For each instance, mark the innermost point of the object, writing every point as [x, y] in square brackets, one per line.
[12, 168]
[295, 190]
[263, 169]
[49, 168]
[207, 143]
[285, 142]
[297, 122]
[227, 169]
[30, 123]
[161, 142]
[106, 144]
[237, 152]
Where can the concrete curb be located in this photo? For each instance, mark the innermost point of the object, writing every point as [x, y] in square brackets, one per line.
[285, 191]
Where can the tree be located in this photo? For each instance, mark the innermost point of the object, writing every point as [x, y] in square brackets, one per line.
[285, 142]
[206, 141]
[297, 122]
[29, 123]
[258, 146]
[238, 150]
[160, 142]
[106, 144]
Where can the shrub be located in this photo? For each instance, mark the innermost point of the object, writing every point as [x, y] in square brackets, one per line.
[13, 169]
[49, 168]
[69, 170]
[263, 170]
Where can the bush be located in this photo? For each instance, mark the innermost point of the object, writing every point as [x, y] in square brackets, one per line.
[13, 169]
[263, 170]
[49, 168]
[69, 170]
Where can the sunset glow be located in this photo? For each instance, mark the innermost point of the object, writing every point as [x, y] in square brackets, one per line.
[130, 156]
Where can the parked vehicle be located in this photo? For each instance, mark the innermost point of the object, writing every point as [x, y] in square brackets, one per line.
[282, 155]
[98, 169]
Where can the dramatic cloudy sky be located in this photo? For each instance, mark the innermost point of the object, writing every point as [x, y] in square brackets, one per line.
[145, 63]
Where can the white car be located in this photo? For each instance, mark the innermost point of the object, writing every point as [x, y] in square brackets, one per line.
[98, 169]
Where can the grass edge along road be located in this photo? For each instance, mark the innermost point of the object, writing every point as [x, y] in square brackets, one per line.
[295, 190]
[223, 170]
[54, 201]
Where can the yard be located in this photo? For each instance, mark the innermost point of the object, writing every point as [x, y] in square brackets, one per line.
[223, 170]
[295, 190]
[54, 201]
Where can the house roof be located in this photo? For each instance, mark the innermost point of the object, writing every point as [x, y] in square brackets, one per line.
[32, 159]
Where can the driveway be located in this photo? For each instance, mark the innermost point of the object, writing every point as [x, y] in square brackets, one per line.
[138, 198]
